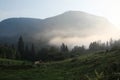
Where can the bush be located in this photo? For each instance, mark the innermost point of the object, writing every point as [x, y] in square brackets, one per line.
[98, 76]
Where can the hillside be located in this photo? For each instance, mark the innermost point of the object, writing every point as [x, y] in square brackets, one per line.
[99, 65]
[57, 29]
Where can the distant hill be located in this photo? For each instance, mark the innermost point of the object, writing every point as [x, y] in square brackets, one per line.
[64, 26]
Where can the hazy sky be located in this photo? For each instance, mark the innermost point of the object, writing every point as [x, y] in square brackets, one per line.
[47, 8]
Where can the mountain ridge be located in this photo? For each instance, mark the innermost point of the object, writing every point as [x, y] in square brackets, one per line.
[66, 25]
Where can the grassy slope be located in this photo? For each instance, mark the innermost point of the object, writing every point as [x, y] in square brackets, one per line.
[71, 69]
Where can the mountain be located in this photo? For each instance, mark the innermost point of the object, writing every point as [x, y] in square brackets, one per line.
[54, 30]
[12, 28]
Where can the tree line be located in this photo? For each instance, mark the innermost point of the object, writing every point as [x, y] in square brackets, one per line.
[28, 52]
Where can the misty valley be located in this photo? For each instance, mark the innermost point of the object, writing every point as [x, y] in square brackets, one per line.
[74, 45]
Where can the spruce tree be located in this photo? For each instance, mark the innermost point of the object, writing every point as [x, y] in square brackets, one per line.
[32, 53]
[21, 47]
[64, 48]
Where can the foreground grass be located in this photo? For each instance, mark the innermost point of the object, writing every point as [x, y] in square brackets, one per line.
[84, 67]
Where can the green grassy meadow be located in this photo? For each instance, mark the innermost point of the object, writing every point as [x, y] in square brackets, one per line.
[92, 66]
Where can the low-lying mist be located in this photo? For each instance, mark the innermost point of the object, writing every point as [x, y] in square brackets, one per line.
[72, 28]
[81, 37]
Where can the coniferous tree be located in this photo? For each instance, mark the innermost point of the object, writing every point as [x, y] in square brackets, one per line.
[64, 51]
[64, 48]
[21, 47]
[32, 53]
[43, 54]
[26, 53]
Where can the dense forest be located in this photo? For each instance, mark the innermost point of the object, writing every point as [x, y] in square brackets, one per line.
[29, 52]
